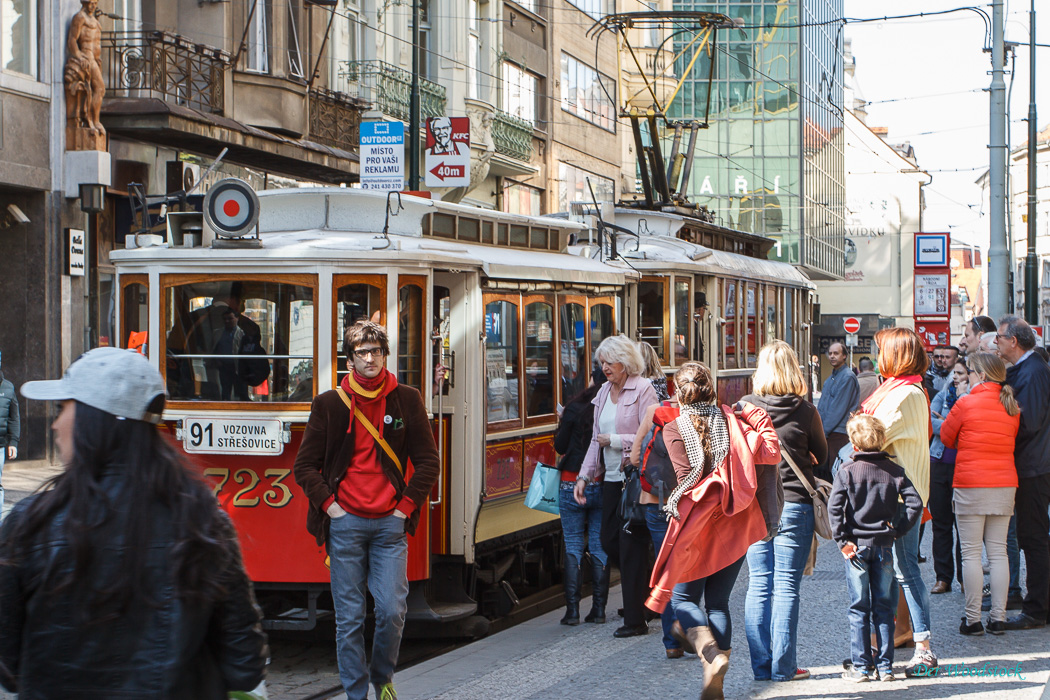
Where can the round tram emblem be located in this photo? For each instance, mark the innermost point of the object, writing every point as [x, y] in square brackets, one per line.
[231, 208]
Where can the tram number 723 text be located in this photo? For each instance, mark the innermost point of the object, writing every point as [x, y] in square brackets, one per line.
[277, 495]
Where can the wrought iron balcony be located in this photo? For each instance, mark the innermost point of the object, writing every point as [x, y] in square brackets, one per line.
[512, 136]
[389, 88]
[164, 66]
[335, 119]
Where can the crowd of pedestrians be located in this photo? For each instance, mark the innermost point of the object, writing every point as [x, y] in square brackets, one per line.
[961, 438]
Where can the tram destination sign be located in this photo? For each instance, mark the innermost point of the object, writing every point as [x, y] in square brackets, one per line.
[382, 156]
[241, 436]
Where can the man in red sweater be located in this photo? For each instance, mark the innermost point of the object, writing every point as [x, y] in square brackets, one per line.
[354, 467]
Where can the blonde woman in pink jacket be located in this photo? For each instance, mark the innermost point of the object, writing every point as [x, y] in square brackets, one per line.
[618, 410]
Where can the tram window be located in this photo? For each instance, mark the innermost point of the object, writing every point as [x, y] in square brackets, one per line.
[486, 232]
[240, 340]
[501, 360]
[134, 317]
[410, 318]
[602, 324]
[772, 317]
[519, 236]
[730, 328]
[575, 369]
[651, 315]
[754, 330]
[502, 234]
[354, 302]
[538, 238]
[539, 359]
[444, 226]
[442, 331]
[789, 316]
[681, 320]
[469, 229]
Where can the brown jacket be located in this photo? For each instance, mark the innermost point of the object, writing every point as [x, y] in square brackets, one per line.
[324, 455]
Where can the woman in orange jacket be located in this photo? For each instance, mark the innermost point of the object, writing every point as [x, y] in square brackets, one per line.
[982, 426]
[715, 514]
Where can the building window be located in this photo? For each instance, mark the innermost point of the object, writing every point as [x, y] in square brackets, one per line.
[18, 29]
[519, 92]
[346, 38]
[130, 14]
[587, 93]
[595, 8]
[424, 39]
[522, 199]
[574, 185]
[473, 52]
[295, 54]
[259, 39]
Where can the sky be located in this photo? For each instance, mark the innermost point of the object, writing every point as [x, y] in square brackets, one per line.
[937, 75]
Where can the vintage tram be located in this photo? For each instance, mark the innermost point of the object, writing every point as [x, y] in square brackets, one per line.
[246, 331]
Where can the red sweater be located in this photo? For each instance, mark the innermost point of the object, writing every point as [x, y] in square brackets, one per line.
[984, 434]
[365, 490]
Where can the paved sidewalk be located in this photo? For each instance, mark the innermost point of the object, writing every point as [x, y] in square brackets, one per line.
[541, 659]
[23, 477]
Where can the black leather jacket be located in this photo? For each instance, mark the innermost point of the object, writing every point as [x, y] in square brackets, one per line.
[175, 650]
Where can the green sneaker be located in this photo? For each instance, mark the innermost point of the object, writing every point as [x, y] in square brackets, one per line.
[386, 692]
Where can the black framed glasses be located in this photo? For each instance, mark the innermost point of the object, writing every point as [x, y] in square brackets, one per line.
[365, 353]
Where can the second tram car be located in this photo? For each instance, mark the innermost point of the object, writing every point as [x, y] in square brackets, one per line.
[246, 333]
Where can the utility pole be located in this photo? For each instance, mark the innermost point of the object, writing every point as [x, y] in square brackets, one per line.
[998, 257]
[413, 118]
[1031, 262]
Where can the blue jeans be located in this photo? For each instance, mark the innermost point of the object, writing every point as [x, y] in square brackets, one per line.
[906, 567]
[869, 579]
[715, 590]
[581, 525]
[771, 605]
[1013, 555]
[656, 521]
[372, 551]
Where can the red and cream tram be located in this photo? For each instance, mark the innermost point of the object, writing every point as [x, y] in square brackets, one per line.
[247, 331]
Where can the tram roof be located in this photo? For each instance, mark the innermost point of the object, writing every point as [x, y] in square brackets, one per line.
[659, 248]
[330, 225]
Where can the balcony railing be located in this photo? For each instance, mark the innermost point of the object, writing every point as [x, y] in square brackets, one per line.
[335, 119]
[389, 88]
[512, 136]
[164, 66]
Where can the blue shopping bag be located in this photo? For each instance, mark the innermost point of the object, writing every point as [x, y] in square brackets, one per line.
[543, 491]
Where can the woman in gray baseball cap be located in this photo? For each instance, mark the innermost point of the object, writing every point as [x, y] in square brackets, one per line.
[122, 577]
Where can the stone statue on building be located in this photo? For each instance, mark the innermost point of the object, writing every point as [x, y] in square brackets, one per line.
[83, 80]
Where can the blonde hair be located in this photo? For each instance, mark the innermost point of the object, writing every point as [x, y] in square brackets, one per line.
[995, 371]
[866, 433]
[620, 348]
[652, 370]
[778, 373]
[901, 353]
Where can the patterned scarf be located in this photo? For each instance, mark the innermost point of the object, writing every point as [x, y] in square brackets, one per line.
[718, 433]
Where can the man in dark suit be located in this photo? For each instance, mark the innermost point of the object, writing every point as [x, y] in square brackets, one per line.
[1030, 379]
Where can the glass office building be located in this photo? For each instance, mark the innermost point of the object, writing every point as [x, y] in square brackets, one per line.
[771, 161]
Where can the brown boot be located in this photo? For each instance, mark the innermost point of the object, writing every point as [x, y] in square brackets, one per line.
[679, 634]
[715, 660]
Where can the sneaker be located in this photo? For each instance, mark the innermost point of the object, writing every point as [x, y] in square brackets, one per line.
[922, 662]
[995, 627]
[974, 630]
[887, 675]
[855, 675]
[386, 692]
[801, 674]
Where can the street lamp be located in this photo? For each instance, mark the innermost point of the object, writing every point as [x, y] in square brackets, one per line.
[92, 198]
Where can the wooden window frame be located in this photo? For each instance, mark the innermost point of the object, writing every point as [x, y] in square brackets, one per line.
[169, 280]
[545, 418]
[510, 423]
[125, 282]
[338, 282]
[581, 301]
[422, 282]
[665, 280]
[688, 279]
[609, 301]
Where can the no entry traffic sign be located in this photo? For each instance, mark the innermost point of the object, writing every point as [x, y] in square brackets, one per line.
[851, 324]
